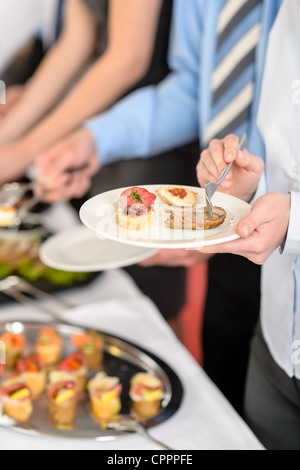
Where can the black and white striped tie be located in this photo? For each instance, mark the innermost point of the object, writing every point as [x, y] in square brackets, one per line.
[233, 79]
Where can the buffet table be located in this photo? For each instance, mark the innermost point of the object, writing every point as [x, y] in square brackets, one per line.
[112, 303]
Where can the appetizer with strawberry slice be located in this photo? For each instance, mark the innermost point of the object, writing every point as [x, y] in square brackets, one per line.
[146, 393]
[104, 395]
[136, 211]
[76, 365]
[17, 401]
[14, 347]
[33, 371]
[90, 344]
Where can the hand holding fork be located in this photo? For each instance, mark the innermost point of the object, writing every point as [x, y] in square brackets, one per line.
[210, 188]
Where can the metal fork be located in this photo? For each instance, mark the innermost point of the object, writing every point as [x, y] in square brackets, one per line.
[128, 423]
[210, 188]
[12, 193]
[15, 287]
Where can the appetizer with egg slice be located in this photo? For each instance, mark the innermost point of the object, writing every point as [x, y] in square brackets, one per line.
[17, 401]
[146, 393]
[104, 395]
[62, 399]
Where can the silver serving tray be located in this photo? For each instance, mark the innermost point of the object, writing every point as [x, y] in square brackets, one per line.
[122, 359]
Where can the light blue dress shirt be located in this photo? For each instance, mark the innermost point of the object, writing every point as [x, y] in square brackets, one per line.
[158, 118]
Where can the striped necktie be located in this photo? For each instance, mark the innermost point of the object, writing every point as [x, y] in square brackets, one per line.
[233, 80]
[59, 18]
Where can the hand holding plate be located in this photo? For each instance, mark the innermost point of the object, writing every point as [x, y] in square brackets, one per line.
[261, 232]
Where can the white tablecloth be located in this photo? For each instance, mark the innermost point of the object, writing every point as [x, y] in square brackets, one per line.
[205, 419]
[20, 20]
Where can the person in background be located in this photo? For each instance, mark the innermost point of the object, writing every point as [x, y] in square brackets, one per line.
[21, 22]
[38, 26]
[33, 122]
[106, 48]
[216, 60]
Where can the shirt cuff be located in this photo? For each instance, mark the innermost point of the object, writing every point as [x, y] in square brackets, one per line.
[291, 246]
[105, 128]
[125, 131]
[261, 189]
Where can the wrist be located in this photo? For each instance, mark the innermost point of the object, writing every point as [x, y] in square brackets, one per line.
[291, 240]
[88, 136]
[30, 147]
[253, 195]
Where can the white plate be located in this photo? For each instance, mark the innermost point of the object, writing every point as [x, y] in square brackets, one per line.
[100, 215]
[80, 250]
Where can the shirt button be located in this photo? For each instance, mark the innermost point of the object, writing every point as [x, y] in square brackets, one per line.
[296, 169]
[295, 186]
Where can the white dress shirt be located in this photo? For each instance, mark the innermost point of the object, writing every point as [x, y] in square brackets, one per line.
[279, 123]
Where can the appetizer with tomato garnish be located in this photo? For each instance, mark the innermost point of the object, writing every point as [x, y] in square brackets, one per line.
[17, 401]
[146, 393]
[14, 347]
[136, 210]
[62, 400]
[49, 346]
[91, 346]
[104, 395]
[33, 371]
[178, 196]
[76, 365]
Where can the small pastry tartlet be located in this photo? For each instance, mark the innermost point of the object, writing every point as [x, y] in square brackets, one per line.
[49, 346]
[14, 347]
[146, 393]
[76, 366]
[62, 401]
[104, 395]
[7, 216]
[17, 400]
[33, 371]
[136, 211]
[91, 346]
